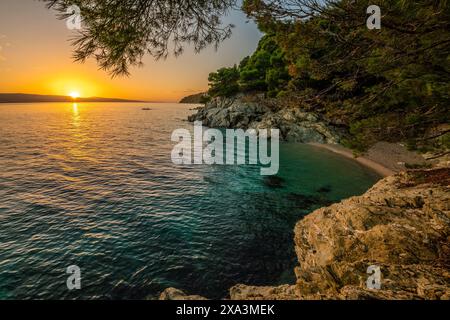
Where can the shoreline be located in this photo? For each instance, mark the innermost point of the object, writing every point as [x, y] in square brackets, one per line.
[385, 158]
[380, 168]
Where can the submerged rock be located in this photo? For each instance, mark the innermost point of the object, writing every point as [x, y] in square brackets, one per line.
[324, 189]
[307, 202]
[274, 182]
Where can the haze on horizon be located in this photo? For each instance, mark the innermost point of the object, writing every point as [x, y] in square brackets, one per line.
[36, 58]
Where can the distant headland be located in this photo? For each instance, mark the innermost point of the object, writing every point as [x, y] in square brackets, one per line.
[29, 98]
[195, 98]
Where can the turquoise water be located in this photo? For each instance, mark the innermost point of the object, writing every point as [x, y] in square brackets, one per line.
[93, 185]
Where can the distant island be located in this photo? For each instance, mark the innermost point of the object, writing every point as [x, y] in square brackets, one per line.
[195, 98]
[29, 98]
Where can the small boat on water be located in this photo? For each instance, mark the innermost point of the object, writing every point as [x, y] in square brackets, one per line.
[146, 109]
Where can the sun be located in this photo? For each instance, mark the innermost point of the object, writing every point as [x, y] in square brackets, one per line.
[74, 94]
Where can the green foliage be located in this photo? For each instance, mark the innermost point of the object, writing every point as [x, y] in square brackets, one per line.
[205, 99]
[445, 140]
[415, 166]
[265, 71]
[391, 84]
[224, 82]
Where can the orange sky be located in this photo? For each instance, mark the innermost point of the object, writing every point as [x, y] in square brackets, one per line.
[35, 57]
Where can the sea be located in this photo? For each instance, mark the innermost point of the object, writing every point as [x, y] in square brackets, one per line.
[92, 185]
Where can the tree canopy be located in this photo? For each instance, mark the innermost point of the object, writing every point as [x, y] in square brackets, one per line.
[118, 33]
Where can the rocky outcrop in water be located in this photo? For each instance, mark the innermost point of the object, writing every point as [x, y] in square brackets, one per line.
[401, 225]
[246, 112]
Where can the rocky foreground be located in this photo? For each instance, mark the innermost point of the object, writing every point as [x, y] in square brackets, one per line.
[401, 225]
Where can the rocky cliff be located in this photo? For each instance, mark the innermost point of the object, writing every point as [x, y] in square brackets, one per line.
[401, 225]
[255, 112]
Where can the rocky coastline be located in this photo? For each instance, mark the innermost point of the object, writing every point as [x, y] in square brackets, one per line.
[255, 112]
[401, 225]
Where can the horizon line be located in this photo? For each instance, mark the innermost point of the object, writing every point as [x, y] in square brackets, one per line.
[71, 99]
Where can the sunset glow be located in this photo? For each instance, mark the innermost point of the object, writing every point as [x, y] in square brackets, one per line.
[74, 94]
[51, 70]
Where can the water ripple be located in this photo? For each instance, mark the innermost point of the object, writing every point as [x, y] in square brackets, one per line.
[94, 186]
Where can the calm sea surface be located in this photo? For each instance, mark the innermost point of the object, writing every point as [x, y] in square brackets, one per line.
[93, 185]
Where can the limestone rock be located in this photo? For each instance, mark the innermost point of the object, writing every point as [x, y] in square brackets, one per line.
[294, 124]
[401, 225]
[175, 294]
[242, 292]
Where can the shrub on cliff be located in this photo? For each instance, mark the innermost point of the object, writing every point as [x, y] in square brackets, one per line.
[224, 82]
[266, 70]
